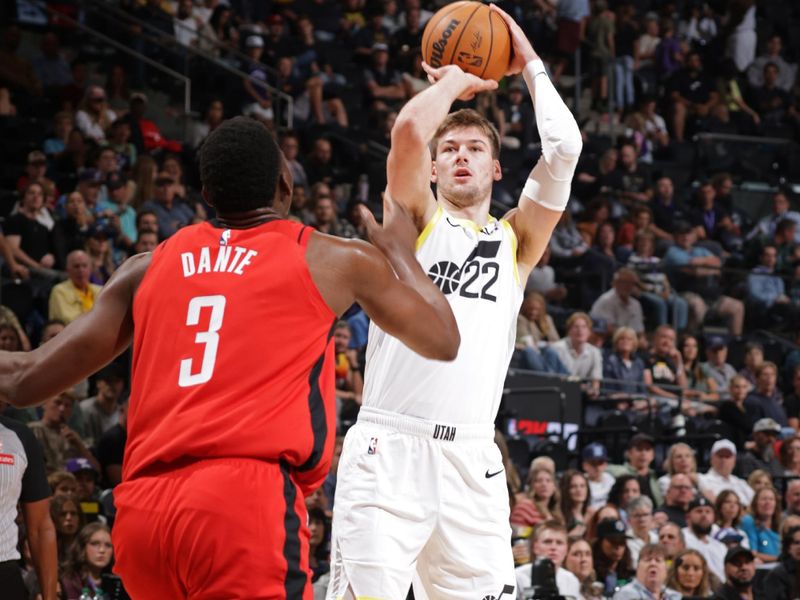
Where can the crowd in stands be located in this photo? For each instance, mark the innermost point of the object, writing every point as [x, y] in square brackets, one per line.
[650, 293]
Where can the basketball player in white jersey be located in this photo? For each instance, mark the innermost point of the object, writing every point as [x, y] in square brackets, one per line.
[420, 480]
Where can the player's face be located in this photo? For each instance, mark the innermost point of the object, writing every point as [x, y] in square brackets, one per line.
[464, 169]
[99, 549]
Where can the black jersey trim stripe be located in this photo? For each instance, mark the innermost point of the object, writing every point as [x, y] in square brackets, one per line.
[300, 234]
[316, 407]
[296, 579]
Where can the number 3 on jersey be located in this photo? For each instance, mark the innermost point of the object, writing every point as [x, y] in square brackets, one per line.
[209, 338]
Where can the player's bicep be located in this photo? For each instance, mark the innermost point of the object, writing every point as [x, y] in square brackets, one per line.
[408, 172]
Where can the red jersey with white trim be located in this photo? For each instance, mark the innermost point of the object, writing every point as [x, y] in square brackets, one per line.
[233, 356]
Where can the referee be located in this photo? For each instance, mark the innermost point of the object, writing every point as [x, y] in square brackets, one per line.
[23, 479]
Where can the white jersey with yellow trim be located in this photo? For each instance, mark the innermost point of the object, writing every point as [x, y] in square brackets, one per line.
[476, 269]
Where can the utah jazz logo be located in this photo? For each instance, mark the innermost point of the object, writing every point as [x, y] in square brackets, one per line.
[478, 276]
[507, 589]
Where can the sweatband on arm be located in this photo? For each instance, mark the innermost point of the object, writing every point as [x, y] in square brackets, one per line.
[550, 181]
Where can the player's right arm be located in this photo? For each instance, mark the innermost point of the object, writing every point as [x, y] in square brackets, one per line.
[408, 166]
[394, 292]
[88, 344]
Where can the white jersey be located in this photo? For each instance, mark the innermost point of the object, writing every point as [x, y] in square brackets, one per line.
[476, 269]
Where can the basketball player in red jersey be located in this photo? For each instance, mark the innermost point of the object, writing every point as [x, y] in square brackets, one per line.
[231, 417]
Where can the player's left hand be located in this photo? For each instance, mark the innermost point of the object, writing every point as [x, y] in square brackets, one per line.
[523, 51]
[467, 83]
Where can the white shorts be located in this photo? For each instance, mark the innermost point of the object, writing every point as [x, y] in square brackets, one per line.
[423, 501]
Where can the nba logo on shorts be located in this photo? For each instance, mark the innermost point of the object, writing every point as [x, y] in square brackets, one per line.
[373, 446]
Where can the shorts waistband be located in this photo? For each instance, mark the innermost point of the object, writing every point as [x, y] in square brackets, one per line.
[445, 432]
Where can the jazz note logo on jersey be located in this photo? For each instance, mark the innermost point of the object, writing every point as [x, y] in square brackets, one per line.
[225, 237]
[373, 446]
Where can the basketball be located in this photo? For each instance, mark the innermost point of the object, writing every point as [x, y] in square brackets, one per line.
[469, 35]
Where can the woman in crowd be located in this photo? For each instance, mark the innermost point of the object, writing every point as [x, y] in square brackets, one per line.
[625, 489]
[611, 557]
[68, 520]
[579, 563]
[729, 517]
[607, 511]
[689, 575]
[94, 117]
[535, 330]
[542, 503]
[319, 556]
[701, 388]
[680, 459]
[144, 177]
[759, 479]
[101, 258]
[604, 243]
[790, 456]
[753, 357]
[89, 558]
[784, 580]
[624, 367]
[117, 89]
[640, 531]
[763, 524]
[70, 233]
[575, 501]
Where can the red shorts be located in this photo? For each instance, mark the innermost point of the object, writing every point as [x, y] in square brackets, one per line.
[221, 528]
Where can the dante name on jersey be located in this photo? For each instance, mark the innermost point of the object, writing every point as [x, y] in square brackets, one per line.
[222, 259]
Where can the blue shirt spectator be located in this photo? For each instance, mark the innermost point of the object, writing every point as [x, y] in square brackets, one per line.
[761, 539]
[763, 287]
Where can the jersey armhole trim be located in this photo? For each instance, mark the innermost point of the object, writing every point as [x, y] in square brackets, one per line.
[513, 236]
[426, 232]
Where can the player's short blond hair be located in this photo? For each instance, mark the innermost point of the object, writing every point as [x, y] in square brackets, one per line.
[466, 117]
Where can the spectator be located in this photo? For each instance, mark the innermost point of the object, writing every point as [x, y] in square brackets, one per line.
[720, 476]
[59, 442]
[28, 238]
[696, 273]
[640, 533]
[691, 95]
[700, 520]
[213, 117]
[50, 67]
[656, 295]
[575, 501]
[119, 141]
[680, 459]
[579, 563]
[640, 455]
[651, 577]
[608, 511]
[759, 479]
[783, 580]
[753, 359]
[772, 103]
[290, 146]
[786, 70]
[102, 411]
[766, 292]
[319, 553]
[740, 570]
[689, 575]
[94, 118]
[625, 489]
[712, 222]
[75, 296]
[535, 330]
[85, 474]
[146, 242]
[791, 403]
[88, 559]
[700, 388]
[716, 368]
[63, 484]
[766, 401]
[792, 499]
[617, 306]
[729, 513]
[668, 211]
[257, 97]
[172, 213]
[145, 134]
[35, 172]
[15, 71]
[67, 517]
[25, 482]
[766, 228]
[373, 32]
[595, 461]
[635, 178]
[55, 145]
[115, 216]
[623, 370]
[580, 358]
[670, 535]
[665, 364]
[763, 525]
[111, 448]
[327, 221]
[612, 559]
[761, 454]
[549, 540]
[383, 85]
[349, 382]
[70, 232]
[543, 280]
[543, 501]
[678, 495]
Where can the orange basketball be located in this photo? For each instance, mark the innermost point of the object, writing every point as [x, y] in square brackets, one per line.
[469, 35]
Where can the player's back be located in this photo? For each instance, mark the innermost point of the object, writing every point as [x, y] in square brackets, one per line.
[232, 352]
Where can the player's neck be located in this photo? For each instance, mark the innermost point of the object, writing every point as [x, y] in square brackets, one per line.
[478, 213]
[248, 219]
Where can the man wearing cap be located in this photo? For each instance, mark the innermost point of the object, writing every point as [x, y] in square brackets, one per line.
[651, 577]
[766, 399]
[86, 475]
[618, 306]
[740, 570]
[89, 184]
[762, 455]
[119, 213]
[640, 455]
[716, 366]
[611, 544]
[700, 520]
[259, 104]
[595, 461]
[172, 213]
[35, 170]
[75, 296]
[101, 412]
[549, 540]
[720, 476]
[680, 493]
[383, 85]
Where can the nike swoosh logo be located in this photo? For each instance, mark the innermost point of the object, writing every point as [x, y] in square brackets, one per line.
[490, 475]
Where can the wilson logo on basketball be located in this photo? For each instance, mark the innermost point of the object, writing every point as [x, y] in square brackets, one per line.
[441, 44]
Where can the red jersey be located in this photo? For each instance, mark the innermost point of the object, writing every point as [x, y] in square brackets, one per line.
[232, 354]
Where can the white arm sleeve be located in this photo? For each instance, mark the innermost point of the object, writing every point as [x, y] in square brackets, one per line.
[551, 178]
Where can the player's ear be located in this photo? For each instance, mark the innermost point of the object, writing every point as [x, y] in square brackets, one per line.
[497, 171]
[204, 194]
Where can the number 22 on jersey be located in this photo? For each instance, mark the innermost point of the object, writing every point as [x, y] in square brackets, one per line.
[208, 338]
